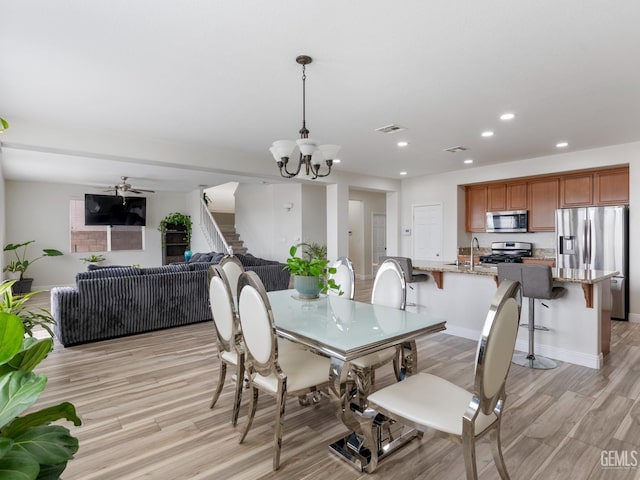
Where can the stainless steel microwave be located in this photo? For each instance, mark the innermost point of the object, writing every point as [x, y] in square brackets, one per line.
[507, 222]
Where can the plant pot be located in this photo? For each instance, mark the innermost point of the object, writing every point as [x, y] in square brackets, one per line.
[22, 286]
[307, 287]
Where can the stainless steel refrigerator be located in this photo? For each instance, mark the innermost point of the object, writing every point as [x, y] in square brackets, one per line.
[596, 238]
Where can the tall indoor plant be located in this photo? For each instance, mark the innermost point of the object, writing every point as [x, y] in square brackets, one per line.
[311, 271]
[30, 447]
[21, 263]
[31, 317]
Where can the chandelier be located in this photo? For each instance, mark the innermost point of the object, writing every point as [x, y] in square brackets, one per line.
[311, 154]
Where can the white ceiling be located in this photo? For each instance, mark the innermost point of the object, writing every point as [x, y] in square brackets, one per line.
[174, 93]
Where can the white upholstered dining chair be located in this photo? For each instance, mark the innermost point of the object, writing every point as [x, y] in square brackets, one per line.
[389, 290]
[228, 335]
[233, 268]
[345, 277]
[426, 401]
[278, 372]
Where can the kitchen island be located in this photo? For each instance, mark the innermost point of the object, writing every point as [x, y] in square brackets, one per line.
[579, 323]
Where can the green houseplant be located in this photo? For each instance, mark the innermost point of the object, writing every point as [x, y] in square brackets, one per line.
[177, 221]
[30, 447]
[311, 271]
[94, 258]
[3, 124]
[21, 263]
[30, 317]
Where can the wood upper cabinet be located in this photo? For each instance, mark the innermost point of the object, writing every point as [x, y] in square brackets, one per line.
[517, 196]
[576, 190]
[496, 197]
[612, 186]
[543, 202]
[506, 196]
[476, 196]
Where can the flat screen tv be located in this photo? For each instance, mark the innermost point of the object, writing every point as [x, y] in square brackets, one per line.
[114, 210]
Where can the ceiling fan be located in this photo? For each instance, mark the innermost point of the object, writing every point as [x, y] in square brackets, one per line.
[123, 188]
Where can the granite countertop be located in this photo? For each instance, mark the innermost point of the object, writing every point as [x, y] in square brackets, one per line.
[559, 274]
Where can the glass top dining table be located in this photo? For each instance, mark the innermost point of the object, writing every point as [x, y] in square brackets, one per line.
[344, 330]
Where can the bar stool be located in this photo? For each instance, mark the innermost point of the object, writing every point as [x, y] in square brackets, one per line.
[537, 283]
[410, 274]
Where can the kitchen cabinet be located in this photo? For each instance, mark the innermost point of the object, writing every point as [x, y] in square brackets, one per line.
[496, 197]
[542, 195]
[612, 186]
[543, 202]
[576, 190]
[476, 196]
[517, 196]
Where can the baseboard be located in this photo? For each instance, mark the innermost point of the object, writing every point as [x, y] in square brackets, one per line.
[570, 356]
[634, 317]
[563, 355]
[463, 332]
[360, 276]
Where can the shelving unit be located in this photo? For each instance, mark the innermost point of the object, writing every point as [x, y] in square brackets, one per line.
[174, 244]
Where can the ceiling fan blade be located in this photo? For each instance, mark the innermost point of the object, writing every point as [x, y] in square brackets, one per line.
[140, 190]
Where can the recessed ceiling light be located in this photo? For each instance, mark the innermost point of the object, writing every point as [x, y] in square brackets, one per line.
[468, 160]
[403, 173]
[336, 160]
[507, 116]
[488, 133]
[403, 144]
[562, 144]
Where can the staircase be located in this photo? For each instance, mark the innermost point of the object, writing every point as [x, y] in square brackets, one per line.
[233, 238]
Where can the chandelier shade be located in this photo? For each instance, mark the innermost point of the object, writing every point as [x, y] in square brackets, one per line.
[311, 154]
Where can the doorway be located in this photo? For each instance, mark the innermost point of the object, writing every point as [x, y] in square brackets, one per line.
[427, 232]
[379, 239]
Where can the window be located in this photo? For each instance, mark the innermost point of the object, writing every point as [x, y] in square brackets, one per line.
[98, 238]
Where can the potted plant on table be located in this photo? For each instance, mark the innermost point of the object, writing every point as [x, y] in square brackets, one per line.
[94, 258]
[311, 271]
[21, 263]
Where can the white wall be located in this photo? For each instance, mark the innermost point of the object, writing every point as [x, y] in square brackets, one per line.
[314, 214]
[444, 188]
[40, 212]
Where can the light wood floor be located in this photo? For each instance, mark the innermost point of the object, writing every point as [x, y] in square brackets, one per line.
[144, 401]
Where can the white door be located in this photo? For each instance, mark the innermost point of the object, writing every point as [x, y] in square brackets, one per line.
[379, 238]
[356, 235]
[427, 232]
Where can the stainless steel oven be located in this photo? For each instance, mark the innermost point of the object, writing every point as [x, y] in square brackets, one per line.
[508, 222]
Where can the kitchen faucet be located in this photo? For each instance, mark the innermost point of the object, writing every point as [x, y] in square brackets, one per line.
[474, 241]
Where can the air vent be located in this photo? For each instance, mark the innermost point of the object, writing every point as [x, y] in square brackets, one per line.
[455, 149]
[390, 129]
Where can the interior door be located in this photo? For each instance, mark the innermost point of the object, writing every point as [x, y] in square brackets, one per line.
[427, 232]
[379, 238]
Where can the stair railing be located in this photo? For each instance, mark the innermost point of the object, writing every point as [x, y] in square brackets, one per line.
[211, 230]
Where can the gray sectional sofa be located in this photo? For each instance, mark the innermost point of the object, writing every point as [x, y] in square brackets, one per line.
[113, 302]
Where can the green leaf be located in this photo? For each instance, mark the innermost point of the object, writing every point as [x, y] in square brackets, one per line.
[51, 472]
[52, 252]
[48, 444]
[32, 353]
[18, 391]
[5, 446]
[4, 124]
[64, 410]
[18, 465]
[11, 334]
